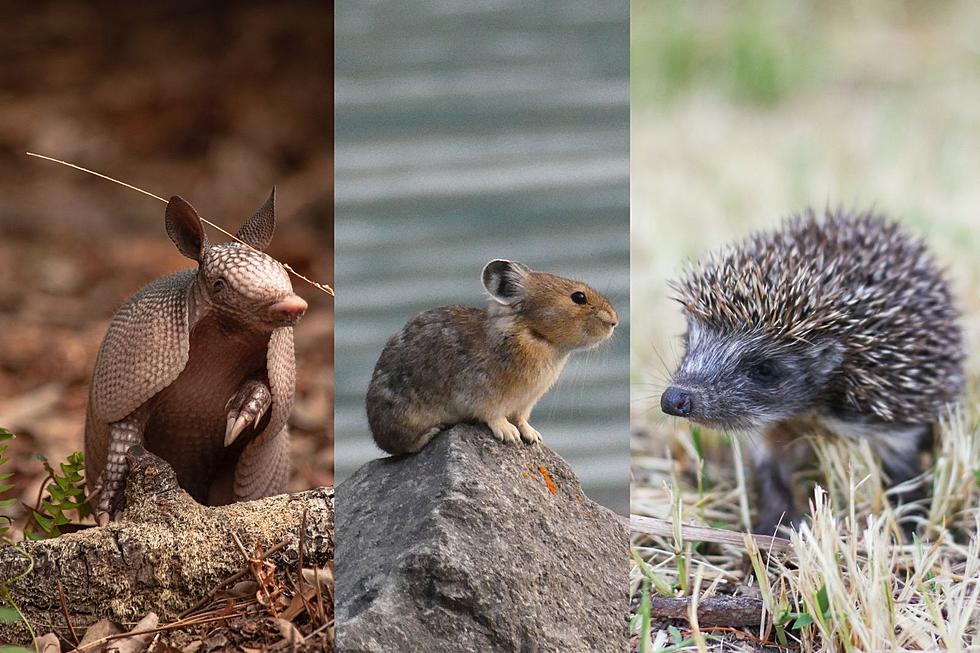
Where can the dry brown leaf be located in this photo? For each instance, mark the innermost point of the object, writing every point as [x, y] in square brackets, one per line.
[290, 633]
[98, 630]
[136, 643]
[319, 575]
[298, 603]
[244, 588]
[216, 641]
[49, 644]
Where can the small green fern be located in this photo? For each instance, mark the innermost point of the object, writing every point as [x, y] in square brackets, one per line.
[5, 486]
[9, 612]
[66, 493]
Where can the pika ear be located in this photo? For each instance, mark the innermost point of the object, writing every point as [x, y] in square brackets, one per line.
[185, 229]
[506, 281]
[258, 231]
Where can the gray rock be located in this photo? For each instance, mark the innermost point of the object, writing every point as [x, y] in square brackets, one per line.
[463, 547]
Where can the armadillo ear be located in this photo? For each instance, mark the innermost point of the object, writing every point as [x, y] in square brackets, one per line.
[258, 231]
[506, 281]
[185, 229]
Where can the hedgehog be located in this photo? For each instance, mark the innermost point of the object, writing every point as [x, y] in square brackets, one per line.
[842, 324]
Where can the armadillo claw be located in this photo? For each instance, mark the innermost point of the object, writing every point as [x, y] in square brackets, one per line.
[107, 489]
[246, 408]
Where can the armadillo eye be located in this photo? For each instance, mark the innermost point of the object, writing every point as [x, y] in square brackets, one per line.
[579, 297]
[218, 284]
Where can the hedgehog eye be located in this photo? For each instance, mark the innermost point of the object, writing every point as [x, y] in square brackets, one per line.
[218, 284]
[764, 371]
[579, 297]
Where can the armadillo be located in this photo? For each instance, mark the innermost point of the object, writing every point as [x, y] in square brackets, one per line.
[198, 368]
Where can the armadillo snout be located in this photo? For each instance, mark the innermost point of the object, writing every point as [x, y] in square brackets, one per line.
[289, 310]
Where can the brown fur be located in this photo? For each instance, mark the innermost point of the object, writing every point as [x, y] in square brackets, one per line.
[458, 364]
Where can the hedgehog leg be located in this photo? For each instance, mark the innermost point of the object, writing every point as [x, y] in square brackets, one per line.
[773, 487]
[899, 450]
[773, 479]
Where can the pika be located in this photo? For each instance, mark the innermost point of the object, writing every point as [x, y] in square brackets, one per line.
[458, 364]
[843, 323]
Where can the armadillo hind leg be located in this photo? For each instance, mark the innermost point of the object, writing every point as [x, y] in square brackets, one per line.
[263, 468]
[246, 407]
[109, 485]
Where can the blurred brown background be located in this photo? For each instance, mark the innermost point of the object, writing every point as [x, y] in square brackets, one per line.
[212, 101]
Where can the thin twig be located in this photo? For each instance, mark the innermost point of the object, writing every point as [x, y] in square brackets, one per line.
[664, 528]
[64, 611]
[320, 286]
[740, 634]
[40, 492]
[227, 581]
[299, 566]
[241, 547]
[180, 623]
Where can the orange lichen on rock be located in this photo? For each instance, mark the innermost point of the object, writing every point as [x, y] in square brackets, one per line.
[547, 480]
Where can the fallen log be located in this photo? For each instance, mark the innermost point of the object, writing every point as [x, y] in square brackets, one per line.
[166, 554]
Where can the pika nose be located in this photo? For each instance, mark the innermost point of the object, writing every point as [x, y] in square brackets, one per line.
[610, 318]
[675, 402]
[289, 309]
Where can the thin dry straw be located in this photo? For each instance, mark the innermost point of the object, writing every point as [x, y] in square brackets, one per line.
[321, 286]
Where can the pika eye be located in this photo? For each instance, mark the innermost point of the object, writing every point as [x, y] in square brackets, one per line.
[579, 297]
[218, 284]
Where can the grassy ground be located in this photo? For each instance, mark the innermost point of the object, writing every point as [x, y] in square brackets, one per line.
[742, 113]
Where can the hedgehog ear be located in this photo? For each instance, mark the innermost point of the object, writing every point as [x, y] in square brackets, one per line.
[257, 232]
[506, 281]
[827, 357]
[185, 229]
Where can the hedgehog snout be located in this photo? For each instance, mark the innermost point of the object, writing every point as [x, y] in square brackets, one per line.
[675, 401]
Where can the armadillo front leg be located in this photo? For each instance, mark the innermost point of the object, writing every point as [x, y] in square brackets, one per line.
[246, 407]
[122, 435]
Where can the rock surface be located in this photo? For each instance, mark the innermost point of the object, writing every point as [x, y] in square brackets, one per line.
[475, 545]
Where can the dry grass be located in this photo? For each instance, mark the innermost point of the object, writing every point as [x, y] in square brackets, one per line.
[862, 104]
[845, 575]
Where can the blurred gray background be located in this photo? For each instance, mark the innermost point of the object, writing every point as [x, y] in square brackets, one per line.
[467, 131]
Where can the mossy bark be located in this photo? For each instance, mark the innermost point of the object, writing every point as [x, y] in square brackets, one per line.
[165, 554]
